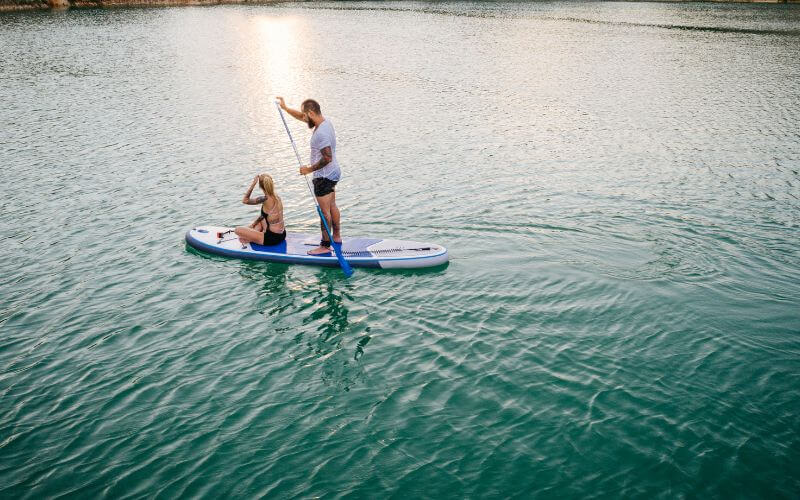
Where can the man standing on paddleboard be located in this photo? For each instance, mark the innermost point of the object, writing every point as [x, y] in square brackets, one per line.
[324, 167]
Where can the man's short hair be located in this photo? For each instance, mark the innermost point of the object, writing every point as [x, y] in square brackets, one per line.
[310, 105]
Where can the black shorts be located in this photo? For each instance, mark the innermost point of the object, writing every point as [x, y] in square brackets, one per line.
[271, 238]
[323, 186]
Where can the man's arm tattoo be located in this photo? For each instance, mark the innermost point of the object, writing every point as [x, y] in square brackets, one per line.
[327, 157]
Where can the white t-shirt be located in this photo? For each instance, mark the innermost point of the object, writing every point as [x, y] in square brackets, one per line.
[323, 137]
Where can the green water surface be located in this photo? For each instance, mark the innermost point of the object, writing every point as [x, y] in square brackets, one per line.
[618, 185]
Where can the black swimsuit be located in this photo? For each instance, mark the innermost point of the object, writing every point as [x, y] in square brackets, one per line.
[271, 238]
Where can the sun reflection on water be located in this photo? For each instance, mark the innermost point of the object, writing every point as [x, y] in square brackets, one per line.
[278, 39]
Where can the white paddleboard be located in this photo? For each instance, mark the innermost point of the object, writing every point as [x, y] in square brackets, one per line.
[359, 252]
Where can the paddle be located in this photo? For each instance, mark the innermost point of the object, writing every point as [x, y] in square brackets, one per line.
[348, 271]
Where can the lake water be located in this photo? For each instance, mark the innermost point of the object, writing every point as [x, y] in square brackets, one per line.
[618, 185]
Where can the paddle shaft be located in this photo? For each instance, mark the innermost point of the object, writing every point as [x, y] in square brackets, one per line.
[342, 262]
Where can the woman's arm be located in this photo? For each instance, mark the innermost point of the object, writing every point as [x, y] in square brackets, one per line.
[258, 200]
[295, 114]
[255, 222]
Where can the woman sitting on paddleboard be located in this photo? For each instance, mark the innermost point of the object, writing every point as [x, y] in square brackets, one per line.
[268, 228]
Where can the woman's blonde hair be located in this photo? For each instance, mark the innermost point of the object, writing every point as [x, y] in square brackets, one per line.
[267, 185]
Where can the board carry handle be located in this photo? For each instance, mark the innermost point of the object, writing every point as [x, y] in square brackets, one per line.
[348, 271]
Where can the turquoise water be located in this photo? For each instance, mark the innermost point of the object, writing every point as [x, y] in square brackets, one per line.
[618, 185]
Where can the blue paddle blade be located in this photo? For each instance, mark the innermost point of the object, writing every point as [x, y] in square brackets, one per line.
[337, 247]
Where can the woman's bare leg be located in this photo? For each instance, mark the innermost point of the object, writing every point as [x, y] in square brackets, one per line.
[249, 235]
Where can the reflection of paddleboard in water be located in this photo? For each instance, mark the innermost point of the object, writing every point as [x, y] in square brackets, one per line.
[359, 252]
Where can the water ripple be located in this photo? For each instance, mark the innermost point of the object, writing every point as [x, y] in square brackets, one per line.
[619, 317]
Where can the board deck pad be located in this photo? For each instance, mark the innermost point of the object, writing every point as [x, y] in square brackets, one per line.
[359, 252]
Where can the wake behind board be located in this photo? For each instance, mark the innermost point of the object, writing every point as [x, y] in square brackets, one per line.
[359, 252]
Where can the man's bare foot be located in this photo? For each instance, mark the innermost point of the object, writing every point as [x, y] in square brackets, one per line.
[320, 250]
